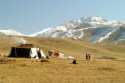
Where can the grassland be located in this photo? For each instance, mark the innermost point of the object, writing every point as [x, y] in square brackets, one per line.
[98, 70]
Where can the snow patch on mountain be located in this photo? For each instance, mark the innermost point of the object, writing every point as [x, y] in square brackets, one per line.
[107, 35]
[10, 32]
[40, 33]
[99, 29]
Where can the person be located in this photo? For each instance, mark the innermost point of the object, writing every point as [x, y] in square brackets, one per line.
[88, 56]
[74, 61]
[39, 53]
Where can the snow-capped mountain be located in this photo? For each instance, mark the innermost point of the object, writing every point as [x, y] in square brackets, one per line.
[12, 36]
[10, 32]
[93, 29]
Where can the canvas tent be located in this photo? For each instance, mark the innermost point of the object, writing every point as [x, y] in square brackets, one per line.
[20, 52]
[27, 51]
[37, 53]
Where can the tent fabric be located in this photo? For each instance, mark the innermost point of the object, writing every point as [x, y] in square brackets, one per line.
[43, 55]
[61, 55]
[33, 53]
[27, 52]
[20, 52]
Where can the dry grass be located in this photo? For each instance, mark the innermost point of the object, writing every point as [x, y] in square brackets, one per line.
[109, 69]
[62, 71]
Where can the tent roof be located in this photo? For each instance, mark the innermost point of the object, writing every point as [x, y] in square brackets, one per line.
[25, 46]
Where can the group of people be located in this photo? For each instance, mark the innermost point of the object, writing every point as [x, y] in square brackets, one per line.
[87, 58]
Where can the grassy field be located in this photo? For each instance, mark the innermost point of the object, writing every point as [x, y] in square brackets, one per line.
[98, 70]
[62, 71]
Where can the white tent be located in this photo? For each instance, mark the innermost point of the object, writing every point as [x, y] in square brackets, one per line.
[34, 53]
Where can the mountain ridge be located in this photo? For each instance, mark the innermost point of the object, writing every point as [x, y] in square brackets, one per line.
[93, 29]
[99, 28]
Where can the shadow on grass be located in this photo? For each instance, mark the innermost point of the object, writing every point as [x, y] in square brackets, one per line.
[107, 58]
[106, 69]
[44, 60]
[23, 65]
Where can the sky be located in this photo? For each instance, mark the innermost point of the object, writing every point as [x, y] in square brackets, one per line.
[30, 16]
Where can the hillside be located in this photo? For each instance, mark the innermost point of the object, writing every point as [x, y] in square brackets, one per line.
[78, 48]
[107, 66]
[71, 47]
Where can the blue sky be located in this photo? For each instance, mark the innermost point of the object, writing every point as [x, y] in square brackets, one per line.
[29, 16]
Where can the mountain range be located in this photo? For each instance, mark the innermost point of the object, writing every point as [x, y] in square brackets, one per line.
[93, 29]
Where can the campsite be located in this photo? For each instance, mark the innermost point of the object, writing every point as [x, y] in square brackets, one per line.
[62, 41]
[105, 66]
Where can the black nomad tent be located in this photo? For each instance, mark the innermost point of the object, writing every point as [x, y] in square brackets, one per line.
[26, 51]
[20, 52]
